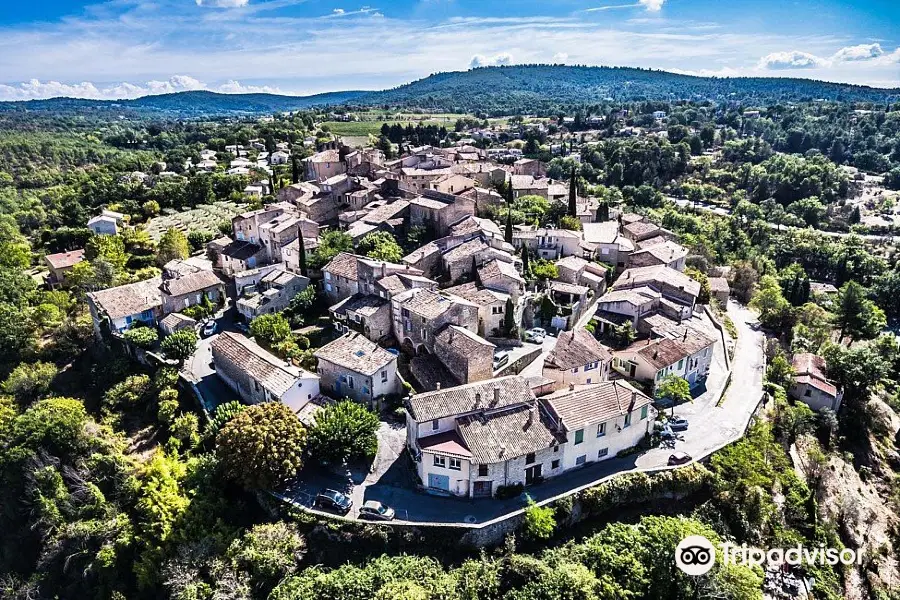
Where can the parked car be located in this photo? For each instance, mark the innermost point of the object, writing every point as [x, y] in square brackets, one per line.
[501, 359]
[372, 509]
[536, 335]
[679, 458]
[242, 327]
[678, 423]
[334, 500]
[209, 328]
[393, 351]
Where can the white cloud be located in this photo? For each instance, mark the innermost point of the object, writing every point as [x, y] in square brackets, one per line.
[860, 52]
[791, 60]
[560, 57]
[338, 11]
[223, 3]
[652, 5]
[40, 90]
[480, 60]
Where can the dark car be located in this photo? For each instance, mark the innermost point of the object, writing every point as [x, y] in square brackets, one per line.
[372, 509]
[242, 327]
[679, 458]
[677, 424]
[334, 500]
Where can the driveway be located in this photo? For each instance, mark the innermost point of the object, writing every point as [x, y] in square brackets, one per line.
[200, 370]
[711, 427]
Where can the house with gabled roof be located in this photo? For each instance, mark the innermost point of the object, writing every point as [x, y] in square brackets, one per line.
[125, 305]
[666, 253]
[420, 313]
[811, 384]
[258, 376]
[492, 306]
[348, 274]
[355, 367]
[672, 284]
[605, 243]
[60, 264]
[688, 356]
[599, 420]
[473, 439]
[578, 358]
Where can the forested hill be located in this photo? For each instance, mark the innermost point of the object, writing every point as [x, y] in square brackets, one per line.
[498, 90]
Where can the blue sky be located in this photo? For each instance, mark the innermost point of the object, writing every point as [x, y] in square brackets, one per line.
[129, 48]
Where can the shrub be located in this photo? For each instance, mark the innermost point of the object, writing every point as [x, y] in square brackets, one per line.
[539, 521]
[180, 345]
[269, 552]
[55, 423]
[142, 337]
[186, 428]
[29, 382]
[223, 414]
[168, 406]
[505, 492]
[129, 393]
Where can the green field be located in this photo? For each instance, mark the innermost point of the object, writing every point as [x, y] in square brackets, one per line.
[205, 217]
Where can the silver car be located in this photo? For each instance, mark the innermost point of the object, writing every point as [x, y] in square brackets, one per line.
[536, 335]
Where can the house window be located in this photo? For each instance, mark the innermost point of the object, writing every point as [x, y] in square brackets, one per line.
[580, 460]
[440, 461]
[435, 425]
[482, 470]
[602, 453]
[529, 458]
[327, 287]
[601, 429]
[327, 277]
[628, 420]
[455, 464]
[555, 464]
[644, 412]
[807, 393]
[256, 385]
[365, 390]
[579, 436]
[350, 382]
[590, 366]
[383, 376]
[680, 364]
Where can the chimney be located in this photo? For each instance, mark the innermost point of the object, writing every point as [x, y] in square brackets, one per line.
[438, 385]
[477, 400]
[496, 396]
[571, 387]
[530, 420]
[383, 269]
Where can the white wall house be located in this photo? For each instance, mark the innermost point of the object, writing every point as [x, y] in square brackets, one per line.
[689, 357]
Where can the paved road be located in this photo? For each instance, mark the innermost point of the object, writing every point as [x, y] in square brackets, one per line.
[711, 426]
[200, 369]
[719, 210]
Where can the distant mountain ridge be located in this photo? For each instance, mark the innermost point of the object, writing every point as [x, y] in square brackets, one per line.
[508, 89]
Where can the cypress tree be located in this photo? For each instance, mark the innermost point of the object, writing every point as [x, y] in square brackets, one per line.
[526, 267]
[573, 195]
[805, 292]
[509, 320]
[795, 291]
[603, 212]
[302, 256]
[295, 172]
[508, 234]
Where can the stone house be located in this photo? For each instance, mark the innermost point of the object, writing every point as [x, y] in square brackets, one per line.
[458, 261]
[502, 276]
[258, 376]
[126, 304]
[238, 256]
[527, 185]
[571, 301]
[604, 243]
[452, 184]
[652, 360]
[348, 274]
[639, 231]
[176, 322]
[278, 233]
[673, 285]
[719, 289]
[627, 305]
[60, 265]
[438, 212]
[579, 271]
[420, 313]
[246, 226]
[266, 290]
[418, 179]
[578, 358]
[473, 439]
[355, 367]
[599, 420]
[180, 291]
[529, 166]
[811, 386]
[467, 356]
[666, 253]
[367, 314]
[492, 307]
[323, 165]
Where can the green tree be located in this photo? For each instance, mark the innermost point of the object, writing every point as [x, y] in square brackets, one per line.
[331, 244]
[271, 329]
[812, 329]
[55, 424]
[262, 446]
[108, 248]
[701, 278]
[674, 388]
[509, 319]
[223, 414]
[269, 552]
[186, 428]
[774, 309]
[571, 223]
[856, 315]
[168, 406]
[380, 245]
[30, 381]
[342, 432]
[779, 371]
[301, 255]
[180, 345]
[173, 245]
[544, 269]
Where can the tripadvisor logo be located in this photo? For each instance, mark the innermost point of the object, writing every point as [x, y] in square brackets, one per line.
[695, 555]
